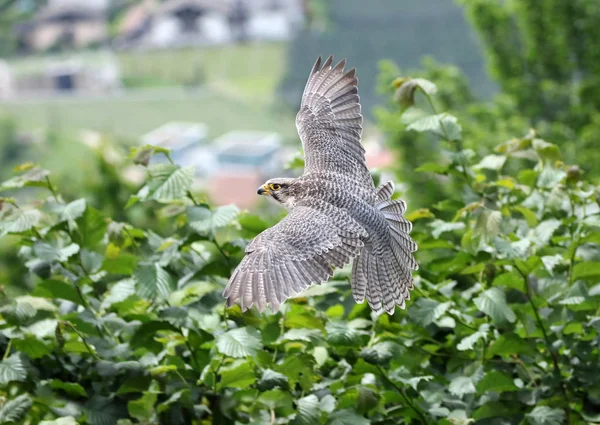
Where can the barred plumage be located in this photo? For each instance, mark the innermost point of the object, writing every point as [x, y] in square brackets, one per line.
[335, 213]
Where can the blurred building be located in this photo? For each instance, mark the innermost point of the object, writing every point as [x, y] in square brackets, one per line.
[229, 168]
[188, 143]
[244, 160]
[65, 24]
[77, 74]
[175, 23]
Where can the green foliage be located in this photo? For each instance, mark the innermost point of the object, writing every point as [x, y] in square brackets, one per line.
[395, 31]
[126, 323]
[537, 51]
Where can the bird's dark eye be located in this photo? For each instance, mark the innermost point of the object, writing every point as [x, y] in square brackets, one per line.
[275, 186]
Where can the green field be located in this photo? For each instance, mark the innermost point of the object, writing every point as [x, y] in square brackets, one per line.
[252, 70]
[237, 93]
[132, 115]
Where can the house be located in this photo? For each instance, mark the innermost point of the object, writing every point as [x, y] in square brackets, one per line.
[79, 73]
[188, 143]
[65, 24]
[175, 23]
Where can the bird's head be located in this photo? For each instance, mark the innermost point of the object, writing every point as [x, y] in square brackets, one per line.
[279, 189]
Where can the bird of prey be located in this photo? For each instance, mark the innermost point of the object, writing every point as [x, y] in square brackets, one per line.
[336, 215]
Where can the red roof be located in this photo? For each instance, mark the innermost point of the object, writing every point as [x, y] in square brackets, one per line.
[230, 187]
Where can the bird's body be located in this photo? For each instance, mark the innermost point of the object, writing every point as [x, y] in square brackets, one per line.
[335, 212]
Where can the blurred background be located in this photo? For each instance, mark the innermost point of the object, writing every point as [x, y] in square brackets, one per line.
[220, 81]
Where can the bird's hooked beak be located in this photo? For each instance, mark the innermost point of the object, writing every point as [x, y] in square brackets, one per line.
[264, 190]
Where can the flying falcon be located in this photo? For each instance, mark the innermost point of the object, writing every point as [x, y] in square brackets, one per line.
[335, 212]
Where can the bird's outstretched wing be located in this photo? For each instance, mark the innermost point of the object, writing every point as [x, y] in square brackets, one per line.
[330, 123]
[298, 251]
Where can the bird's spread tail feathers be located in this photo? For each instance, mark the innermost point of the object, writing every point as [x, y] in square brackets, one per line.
[383, 271]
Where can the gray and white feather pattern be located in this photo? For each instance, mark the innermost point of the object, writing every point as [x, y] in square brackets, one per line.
[336, 215]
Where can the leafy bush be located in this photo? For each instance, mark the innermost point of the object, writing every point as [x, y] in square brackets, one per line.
[127, 325]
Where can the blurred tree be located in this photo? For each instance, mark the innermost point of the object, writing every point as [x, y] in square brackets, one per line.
[12, 13]
[484, 124]
[543, 53]
[403, 31]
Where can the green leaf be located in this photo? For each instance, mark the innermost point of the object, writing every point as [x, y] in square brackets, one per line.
[47, 252]
[169, 182]
[443, 125]
[271, 379]
[487, 224]
[468, 342]
[119, 292]
[238, 375]
[103, 411]
[379, 354]
[432, 167]
[22, 222]
[347, 417]
[308, 335]
[12, 369]
[367, 399]
[73, 210]
[32, 346]
[440, 226]
[406, 87]
[328, 403]
[141, 155]
[162, 369]
[15, 410]
[462, 385]
[493, 303]
[545, 415]
[275, 398]
[406, 377]
[550, 177]
[78, 347]
[496, 381]
[544, 231]
[66, 420]
[551, 261]
[419, 214]
[144, 335]
[546, 151]
[142, 409]
[71, 388]
[240, 342]
[511, 280]
[491, 162]
[308, 410]
[586, 270]
[57, 289]
[92, 227]
[33, 177]
[426, 310]
[124, 264]
[493, 409]
[153, 281]
[21, 313]
[341, 335]
[529, 215]
[508, 344]
[203, 220]
[298, 369]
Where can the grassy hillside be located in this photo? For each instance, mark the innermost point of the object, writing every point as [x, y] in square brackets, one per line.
[237, 93]
[134, 114]
[252, 70]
